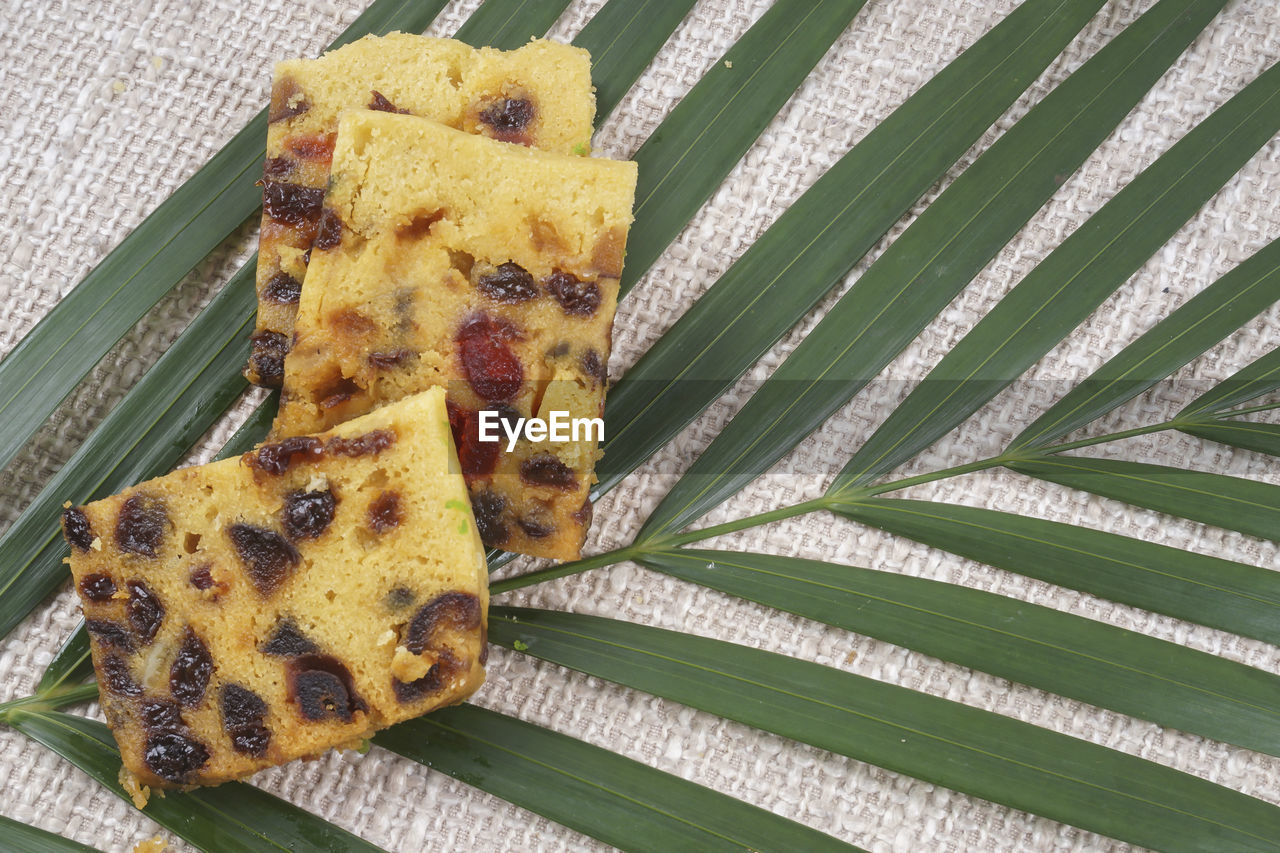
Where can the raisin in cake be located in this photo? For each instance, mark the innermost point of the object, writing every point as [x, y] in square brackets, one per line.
[260, 609]
[539, 95]
[450, 259]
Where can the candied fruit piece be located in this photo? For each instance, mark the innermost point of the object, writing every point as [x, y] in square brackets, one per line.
[76, 528]
[243, 719]
[330, 232]
[312, 146]
[492, 370]
[173, 756]
[278, 168]
[288, 641]
[287, 100]
[321, 687]
[379, 102]
[191, 670]
[280, 456]
[162, 715]
[308, 514]
[440, 626]
[384, 512]
[576, 297]
[488, 507]
[97, 587]
[268, 556]
[118, 678]
[269, 350]
[375, 441]
[141, 525]
[110, 633]
[283, 289]
[292, 204]
[592, 366]
[509, 118]
[145, 611]
[509, 283]
[545, 469]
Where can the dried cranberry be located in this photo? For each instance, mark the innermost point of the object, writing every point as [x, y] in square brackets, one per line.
[141, 525]
[384, 512]
[267, 358]
[491, 368]
[286, 100]
[390, 359]
[282, 455]
[189, 675]
[547, 470]
[109, 633]
[379, 102]
[292, 204]
[76, 528]
[145, 611]
[174, 757]
[243, 716]
[308, 514]
[321, 687]
[374, 441]
[488, 507]
[282, 289]
[576, 297]
[312, 146]
[118, 679]
[476, 458]
[97, 587]
[509, 117]
[594, 367]
[330, 233]
[509, 282]
[276, 168]
[268, 556]
[162, 715]
[288, 641]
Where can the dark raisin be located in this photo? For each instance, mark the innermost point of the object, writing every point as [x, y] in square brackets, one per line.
[109, 633]
[268, 556]
[277, 168]
[594, 367]
[399, 598]
[390, 359]
[287, 100]
[145, 611]
[243, 716]
[306, 515]
[338, 393]
[321, 687]
[420, 226]
[282, 289]
[115, 671]
[312, 146]
[384, 512]
[576, 297]
[492, 370]
[290, 203]
[582, 514]
[288, 641]
[97, 587]
[162, 715]
[560, 350]
[536, 528]
[439, 625]
[488, 507]
[411, 691]
[509, 282]
[374, 441]
[267, 357]
[141, 525]
[202, 578]
[76, 528]
[379, 102]
[189, 675]
[282, 455]
[509, 117]
[174, 757]
[330, 233]
[475, 457]
[546, 470]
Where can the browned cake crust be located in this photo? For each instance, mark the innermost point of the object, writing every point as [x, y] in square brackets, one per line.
[256, 610]
[539, 95]
[450, 259]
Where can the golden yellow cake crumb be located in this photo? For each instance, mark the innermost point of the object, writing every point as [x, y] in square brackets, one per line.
[154, 844]
[137, 792]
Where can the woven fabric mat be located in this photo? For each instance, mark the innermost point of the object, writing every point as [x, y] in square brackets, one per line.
[108, 106]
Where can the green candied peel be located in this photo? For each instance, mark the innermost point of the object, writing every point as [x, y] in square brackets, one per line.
[454, 503]
[520, 646]
[582, 149]
[462, 528]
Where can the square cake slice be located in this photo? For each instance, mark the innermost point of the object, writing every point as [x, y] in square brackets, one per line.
[450, 259]
[538, 95]
[255, 610]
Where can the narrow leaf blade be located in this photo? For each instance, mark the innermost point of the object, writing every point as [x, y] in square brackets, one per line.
[690, 153]
[20, 838]
[507, 24]
[815, 243]
[614, 799]
[1262, 376]
[1260, 437]
[939, 741]
[1081, 273]
[1206, 590]
[232, 817]
[934, 259]
[1230, 502]
[1058, 652]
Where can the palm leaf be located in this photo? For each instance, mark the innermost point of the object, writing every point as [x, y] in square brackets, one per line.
[1058, 652]
[1201, 589]
[1082, 272]
[934, 259]
[507, 24]
[20, 838]
[1260, 377]
[617, 800]
[1230, 502]
[815, 243]
[950, 744]
[1263, 438]
[234, 816]
[59, 352]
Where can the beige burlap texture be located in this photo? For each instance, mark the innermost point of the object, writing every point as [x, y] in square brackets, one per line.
[108, 106]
